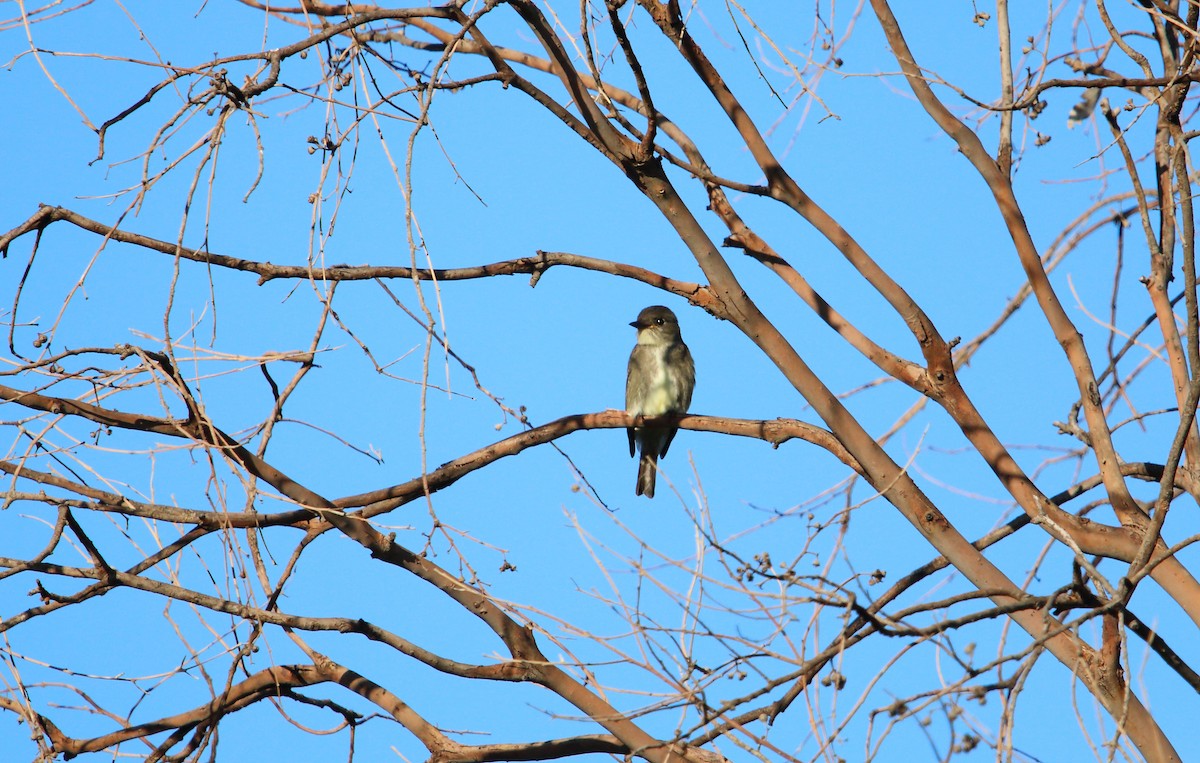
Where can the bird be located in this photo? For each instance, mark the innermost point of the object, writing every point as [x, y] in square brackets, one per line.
[659, 381]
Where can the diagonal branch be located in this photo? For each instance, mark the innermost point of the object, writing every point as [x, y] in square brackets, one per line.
[1064, 330]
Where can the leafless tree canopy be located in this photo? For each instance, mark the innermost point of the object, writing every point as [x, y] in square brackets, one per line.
[203, 550]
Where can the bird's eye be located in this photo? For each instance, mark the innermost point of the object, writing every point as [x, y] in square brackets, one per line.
[659, 321]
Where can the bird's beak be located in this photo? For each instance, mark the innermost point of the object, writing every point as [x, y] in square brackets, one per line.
[635, 324]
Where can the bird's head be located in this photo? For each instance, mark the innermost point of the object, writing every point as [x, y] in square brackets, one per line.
[656, 325]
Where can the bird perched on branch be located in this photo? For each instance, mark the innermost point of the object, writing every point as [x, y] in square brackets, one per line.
[659, 381]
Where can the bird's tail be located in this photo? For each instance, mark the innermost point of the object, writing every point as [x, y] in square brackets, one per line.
[647, 468]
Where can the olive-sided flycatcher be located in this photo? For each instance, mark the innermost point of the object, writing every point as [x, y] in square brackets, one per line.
[659, 381]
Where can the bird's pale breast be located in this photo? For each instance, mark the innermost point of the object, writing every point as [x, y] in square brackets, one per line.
[662, 388]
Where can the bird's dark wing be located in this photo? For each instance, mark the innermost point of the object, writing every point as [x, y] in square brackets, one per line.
[668, 435]
[635, 390]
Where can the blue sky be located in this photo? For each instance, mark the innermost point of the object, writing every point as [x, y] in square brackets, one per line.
[501, 181]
